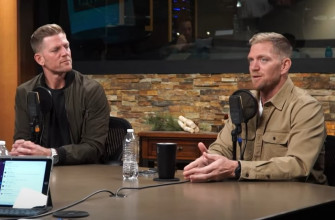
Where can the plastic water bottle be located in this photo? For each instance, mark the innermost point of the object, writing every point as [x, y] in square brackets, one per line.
[329, 52]
[130, 149]
[3, 149]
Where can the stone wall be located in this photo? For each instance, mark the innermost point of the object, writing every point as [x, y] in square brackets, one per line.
[200, 97]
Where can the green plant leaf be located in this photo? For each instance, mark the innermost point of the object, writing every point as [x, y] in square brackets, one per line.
[163, 122]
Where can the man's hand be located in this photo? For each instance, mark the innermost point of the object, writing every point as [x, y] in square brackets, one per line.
[209, 167]
[200, 162]
[28, 148]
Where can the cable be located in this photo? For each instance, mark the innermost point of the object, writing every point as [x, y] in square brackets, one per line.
[73, 204]
[150, 186]
[245, 143]
[103, 190]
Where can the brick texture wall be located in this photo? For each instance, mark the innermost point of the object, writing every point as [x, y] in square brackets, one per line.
[200, 97]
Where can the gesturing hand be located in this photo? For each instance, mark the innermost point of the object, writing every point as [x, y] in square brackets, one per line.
[209, 167]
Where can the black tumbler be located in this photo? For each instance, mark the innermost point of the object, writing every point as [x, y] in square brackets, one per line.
[166, 160]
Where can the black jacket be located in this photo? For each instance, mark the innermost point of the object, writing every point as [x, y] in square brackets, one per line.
[87, 110]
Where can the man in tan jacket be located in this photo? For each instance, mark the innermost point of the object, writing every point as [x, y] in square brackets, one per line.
[285, 139]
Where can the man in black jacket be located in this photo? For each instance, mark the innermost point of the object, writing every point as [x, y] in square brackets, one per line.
[73, 127]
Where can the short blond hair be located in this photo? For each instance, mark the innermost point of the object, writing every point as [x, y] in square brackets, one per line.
[42, 32]
[280, 43]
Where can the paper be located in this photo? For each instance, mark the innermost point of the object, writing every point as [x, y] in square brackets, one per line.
[29, 198]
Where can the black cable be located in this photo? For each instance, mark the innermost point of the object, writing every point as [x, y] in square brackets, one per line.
[150, 186]
[103, 190]
[245, 143]
[41, 130]
[73, 204]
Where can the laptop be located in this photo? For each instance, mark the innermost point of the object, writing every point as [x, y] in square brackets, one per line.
[20, 178]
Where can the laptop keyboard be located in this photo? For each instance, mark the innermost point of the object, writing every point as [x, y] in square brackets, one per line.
[20, 212]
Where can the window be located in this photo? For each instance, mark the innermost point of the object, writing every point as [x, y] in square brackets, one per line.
[185, 36]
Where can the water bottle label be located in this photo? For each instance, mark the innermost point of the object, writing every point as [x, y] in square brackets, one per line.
[130, 170]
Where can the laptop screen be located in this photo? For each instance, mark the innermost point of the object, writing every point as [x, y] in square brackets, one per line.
[17, 173]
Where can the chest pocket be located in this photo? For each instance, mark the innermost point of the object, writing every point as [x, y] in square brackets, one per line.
[276, 138]
[274, 145]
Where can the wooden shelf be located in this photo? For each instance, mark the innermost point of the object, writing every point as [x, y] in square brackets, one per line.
[187, 144]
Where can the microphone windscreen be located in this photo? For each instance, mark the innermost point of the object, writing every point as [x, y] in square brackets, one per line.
[33, 104]
[249, 104]
[235, 107]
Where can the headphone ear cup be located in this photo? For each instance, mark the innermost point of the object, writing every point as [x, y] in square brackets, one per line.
[249, 104]
[45, 99]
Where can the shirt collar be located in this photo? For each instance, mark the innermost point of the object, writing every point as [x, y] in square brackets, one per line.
[279, 99]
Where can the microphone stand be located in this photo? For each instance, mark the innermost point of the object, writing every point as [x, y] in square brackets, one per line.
[234, 134]
[35, 130]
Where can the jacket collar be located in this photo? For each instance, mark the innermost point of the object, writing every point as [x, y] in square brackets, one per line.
[69, 77]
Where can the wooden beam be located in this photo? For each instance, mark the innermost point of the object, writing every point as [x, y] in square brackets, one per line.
[8, 68]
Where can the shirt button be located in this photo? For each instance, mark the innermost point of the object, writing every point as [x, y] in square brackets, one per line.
[274, 138]
[247, 174]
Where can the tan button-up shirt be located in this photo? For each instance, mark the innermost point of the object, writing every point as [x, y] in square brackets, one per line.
[285, 143]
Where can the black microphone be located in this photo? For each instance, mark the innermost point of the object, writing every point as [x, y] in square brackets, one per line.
[243, 106]
[33, 102]
[236, 109]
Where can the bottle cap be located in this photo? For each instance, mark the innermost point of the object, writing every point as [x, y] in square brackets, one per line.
[130, 130]
[2, 142]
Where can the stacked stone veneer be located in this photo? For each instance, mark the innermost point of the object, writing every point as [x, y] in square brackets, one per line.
[200, 97]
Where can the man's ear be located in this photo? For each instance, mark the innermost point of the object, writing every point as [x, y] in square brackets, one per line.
[39, 59]
[286, 65]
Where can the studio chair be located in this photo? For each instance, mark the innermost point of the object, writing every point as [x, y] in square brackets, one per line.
[330, 159]
[114, 142]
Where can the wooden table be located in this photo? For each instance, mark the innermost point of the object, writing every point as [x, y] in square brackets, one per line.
[187, 201]
[187, 144]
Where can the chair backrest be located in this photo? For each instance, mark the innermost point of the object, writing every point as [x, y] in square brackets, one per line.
[114, 142]
[330, 159]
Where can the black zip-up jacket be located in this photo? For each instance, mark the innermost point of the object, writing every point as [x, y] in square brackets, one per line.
[88, 114]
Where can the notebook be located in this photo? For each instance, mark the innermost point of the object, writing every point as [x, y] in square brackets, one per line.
[20, 176]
